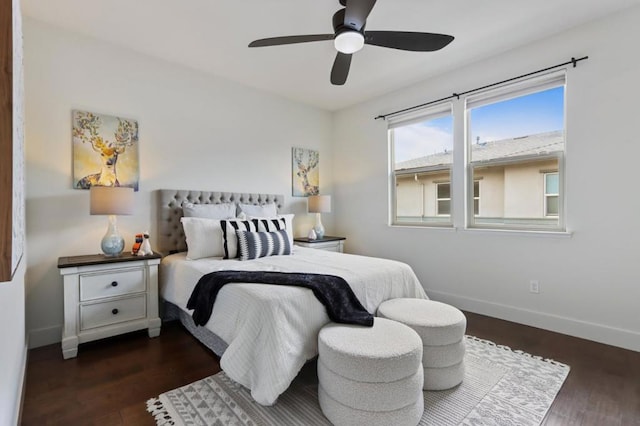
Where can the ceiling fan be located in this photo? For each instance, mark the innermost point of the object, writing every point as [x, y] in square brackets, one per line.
[350, 36]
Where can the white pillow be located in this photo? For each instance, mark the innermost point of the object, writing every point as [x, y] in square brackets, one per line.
[204, 237]
[265, 210]
[229, 237]
[288, 220]
[209, 211]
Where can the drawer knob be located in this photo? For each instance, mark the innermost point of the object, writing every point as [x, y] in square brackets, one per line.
[115, 311]
[114, 284]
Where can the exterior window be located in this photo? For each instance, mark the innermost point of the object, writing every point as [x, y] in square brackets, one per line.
[444, 199]
[513, 136]
[476, 198]
[551, 194]
[422, 157]
[443, 202]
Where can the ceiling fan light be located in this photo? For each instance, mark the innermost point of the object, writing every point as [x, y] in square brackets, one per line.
[349, 42]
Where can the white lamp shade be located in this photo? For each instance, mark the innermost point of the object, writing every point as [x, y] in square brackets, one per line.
[319, 203]
[111, 200]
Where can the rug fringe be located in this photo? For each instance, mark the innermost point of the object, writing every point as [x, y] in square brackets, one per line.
[159, 412]
[517, 351]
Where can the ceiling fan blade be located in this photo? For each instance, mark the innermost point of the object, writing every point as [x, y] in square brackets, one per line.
[405, 40]
[276, 41]
[356, 13]
[340, 69]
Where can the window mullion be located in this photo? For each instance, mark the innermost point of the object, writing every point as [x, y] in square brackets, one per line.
[458, 174]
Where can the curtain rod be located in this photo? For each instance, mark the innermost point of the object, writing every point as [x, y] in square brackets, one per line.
[573, 62]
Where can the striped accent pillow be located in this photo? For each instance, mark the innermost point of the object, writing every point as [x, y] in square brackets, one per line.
[252, 245]
[229, 238]
[274, 224]
[270, 224]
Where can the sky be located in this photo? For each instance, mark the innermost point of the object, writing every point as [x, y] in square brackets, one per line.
[422, 139]
[526, 115]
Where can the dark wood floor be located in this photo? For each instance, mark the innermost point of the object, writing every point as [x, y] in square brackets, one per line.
[109, 382]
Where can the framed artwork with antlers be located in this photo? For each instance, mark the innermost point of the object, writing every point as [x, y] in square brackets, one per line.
[305, 172]
[105, 151]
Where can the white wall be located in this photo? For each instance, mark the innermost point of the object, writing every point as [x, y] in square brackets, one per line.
[196, 132]
[589, 282]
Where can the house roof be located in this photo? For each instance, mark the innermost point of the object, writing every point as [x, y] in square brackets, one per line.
[538, 144]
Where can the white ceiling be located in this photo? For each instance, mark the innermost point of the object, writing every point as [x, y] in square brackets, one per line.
[212, 36]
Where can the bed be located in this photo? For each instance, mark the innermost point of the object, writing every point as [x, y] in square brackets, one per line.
[264, 333]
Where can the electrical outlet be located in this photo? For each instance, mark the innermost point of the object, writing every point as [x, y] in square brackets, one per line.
[534, 286]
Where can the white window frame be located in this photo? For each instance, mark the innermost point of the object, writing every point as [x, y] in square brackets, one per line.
[505, 92]
[549, 194]
[461, 171]
[474, 198]
[432, 112]
[438, 199]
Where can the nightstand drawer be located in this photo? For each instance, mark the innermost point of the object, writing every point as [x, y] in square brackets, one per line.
[101, 314]
[332, 246]
[327, 243]
[113, 283]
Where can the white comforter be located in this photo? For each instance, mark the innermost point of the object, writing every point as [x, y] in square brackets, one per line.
[272, 330]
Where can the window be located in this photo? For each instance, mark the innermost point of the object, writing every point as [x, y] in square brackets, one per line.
[422, 157]
[551, 194]
[513, 135]
[443, 202]
[476, 198]
[443, 205]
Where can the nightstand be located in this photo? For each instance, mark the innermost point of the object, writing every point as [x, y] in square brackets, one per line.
[327, 243]
[107, 296]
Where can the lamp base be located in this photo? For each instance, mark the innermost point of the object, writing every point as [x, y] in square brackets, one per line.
[319, 228]
[112, 243]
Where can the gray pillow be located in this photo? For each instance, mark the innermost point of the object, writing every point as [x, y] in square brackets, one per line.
[209, 211]
[265, 210]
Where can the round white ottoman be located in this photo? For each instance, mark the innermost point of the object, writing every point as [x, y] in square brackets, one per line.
[370, 375]
[441, 328]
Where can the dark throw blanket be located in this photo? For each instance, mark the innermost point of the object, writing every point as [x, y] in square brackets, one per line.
[333, 292]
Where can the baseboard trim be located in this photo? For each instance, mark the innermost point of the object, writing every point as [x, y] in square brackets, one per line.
[45, 336]
[627, 339]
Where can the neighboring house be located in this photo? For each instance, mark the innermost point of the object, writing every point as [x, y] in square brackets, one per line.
[514, 179]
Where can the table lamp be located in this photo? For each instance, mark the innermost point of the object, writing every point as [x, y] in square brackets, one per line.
[319, 204]
[111, 201]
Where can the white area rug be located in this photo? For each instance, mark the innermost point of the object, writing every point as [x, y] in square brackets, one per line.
[501, 387]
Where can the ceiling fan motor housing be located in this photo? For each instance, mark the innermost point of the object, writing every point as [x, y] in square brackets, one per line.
[339, 24]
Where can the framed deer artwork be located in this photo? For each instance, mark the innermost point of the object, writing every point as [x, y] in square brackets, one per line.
[305, 172]
[105, 151]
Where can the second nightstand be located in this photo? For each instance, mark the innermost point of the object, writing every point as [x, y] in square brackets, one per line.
[107, 296]
[327, 243]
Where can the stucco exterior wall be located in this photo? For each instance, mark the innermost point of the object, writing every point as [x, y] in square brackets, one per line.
[512, 191]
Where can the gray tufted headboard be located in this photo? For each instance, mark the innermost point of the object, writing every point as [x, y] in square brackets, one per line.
[170, 233]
